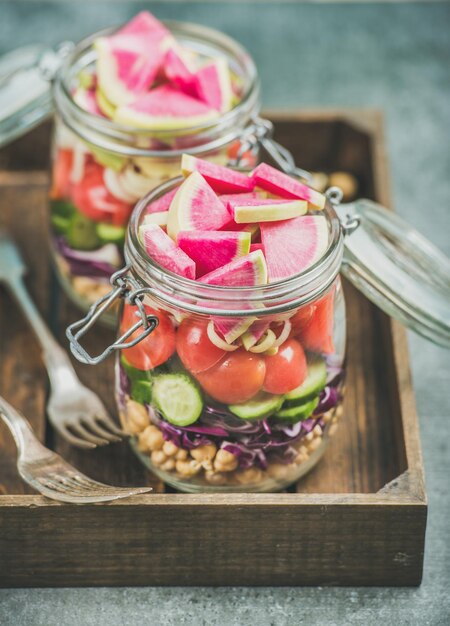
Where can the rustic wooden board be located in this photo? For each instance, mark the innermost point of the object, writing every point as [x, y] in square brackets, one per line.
[358, 518]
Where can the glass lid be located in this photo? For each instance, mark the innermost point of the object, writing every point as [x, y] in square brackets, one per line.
[25, 89]
[397, 268]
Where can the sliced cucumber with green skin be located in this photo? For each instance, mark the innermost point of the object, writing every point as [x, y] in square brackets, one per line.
[141, 391]
[64, 208]
[298, 413]
[133, 373]
[108, 233]
[178, 398]
[313, 384]
[258, 408]
[81, 233]
[59, 224]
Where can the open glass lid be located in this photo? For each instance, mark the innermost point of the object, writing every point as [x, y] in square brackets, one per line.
[397, 268]
[25, 88]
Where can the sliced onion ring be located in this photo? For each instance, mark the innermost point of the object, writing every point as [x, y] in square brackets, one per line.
[267, 342]
[283, 335]
[217, 341]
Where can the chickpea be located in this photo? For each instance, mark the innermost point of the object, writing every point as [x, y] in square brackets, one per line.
[137, 417]
[225, 461]
[84, 286]
[153, 438]
[158, 457]
[204, 453]
[216, 478]
[332, 429]
[250, 476]
[279, 471]
[300, 458]
[169, 448]
[309, 437]
[315, 444]
[327, 416]
[303, 450]
[187, 468]
[181, 455]
[169, 465]
[317, 430]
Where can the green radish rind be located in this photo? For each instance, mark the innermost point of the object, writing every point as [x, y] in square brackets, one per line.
[178, 398]
[298, 413]
[315, 381]
[257, 408]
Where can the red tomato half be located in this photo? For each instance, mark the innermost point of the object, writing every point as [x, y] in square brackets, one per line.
[317, 334]
[301, 319]
[194, 348]
[92, 198]
[154, 349]
[287, 369]
[236, 379]
[62, 168]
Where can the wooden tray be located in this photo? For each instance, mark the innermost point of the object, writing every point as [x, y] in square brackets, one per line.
[358, 518]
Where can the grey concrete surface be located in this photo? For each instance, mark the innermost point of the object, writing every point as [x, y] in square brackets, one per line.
[392, 56]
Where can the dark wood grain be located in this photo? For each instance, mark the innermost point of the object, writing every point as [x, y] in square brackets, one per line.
[358, 518]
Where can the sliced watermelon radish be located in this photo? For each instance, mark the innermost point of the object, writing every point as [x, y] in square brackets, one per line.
[213, 84]
[164, 251]
[226, 198]
[254, 333]
[280, 184]
[178, 72]
[233, 328]
[291, 246]
[105, 106]
[160, 219]
[162, 203]
[213, 249]
[256, 246]
[221, 179]
[248, 271]
[86, 99]
[165, 108]
[196, 207]
[257, 210]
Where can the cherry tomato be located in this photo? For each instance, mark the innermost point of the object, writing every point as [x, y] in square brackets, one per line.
[154, 349]
[62, 168]
[93, 199]
[237, 378]
[194, 348]
[287, 369]
[317, 334]
[301, 319]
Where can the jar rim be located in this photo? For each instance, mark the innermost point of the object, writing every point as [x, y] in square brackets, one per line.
[114, 137]
[276, 297]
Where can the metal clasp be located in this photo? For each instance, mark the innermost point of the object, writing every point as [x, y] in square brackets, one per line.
[349, 219]
[124, 288]
[260, 131]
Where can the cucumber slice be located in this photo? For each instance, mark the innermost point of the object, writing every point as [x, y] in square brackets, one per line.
[59, 224]
[178, 398]
[313, 384]
[133, 373]
[141, 391]
[258, 408]
[297, 413]
[81, 233]
[108, 233]
[64, 208]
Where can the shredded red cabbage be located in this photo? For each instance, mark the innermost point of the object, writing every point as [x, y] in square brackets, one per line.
[83, 266]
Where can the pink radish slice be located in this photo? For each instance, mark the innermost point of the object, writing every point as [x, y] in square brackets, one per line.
[265, 210]
[213, 249]
[291, 246]
[221, 179]
[162, 203]
[165, 252]
[280, 184]
[195, 206]
[247, 271]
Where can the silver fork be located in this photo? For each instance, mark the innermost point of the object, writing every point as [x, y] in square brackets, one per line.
[49, 474]
[73, 409]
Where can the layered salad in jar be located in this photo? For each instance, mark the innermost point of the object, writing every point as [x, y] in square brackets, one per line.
[234, 403]
[142, 78]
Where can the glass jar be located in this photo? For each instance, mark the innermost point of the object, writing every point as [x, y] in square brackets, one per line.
[205, 415]
[104, 167]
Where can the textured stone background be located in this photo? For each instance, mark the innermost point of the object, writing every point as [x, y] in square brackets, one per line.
[392, 56]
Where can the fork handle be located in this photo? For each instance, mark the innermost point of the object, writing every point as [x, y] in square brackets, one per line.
[19, 426]
[57, 362]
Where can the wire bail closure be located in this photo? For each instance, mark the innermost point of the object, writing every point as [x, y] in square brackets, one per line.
[124, 288]
[260, 131]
